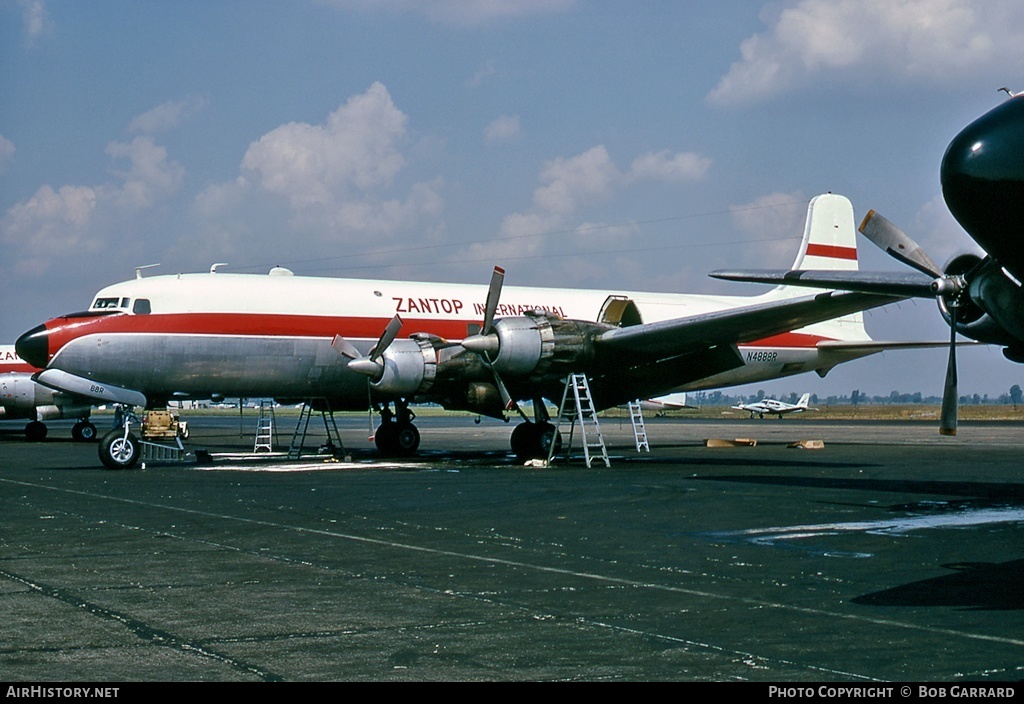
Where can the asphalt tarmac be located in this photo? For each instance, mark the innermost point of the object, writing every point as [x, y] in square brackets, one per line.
[891, 554]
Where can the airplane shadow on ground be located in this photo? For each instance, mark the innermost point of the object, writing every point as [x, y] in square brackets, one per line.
[983, 586]
[992, 586]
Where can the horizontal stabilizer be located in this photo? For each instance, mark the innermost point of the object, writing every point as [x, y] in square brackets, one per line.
[903, 285]
[883, 345]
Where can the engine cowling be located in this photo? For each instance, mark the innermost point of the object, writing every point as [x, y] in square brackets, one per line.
[538, 343]
[990, 310]
[409, 367]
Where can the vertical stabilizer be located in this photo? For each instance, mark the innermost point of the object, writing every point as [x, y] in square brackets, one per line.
[829, 243]
[830, 235]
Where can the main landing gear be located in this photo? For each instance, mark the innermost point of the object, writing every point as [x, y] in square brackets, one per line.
[396, 436]
[82, 431]
[531, 440]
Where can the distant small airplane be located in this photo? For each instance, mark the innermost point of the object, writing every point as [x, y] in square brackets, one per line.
[772, 406]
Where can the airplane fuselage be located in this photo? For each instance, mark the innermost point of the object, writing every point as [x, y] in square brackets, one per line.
[203, 335]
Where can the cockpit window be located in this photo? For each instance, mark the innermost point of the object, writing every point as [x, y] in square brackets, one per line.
[124, 302]
[107, 303]
[141, 306]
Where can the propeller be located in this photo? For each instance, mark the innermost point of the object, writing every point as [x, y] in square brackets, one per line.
[897, 244]
[486, 342]
[369, 365]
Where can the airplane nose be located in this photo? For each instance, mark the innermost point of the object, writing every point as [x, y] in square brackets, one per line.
[34, 346]
[982, 177]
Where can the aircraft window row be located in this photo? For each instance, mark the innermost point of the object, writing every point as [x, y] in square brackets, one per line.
[106, 303]
[141, 306]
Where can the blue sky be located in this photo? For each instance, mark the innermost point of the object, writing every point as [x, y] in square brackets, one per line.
[588, 144]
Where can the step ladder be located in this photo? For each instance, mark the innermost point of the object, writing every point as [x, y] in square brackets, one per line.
[577, 404]
[333, 443]
[265, 428]
[636, 415]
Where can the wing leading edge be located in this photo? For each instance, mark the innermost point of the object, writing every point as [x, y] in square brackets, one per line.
[655, 341]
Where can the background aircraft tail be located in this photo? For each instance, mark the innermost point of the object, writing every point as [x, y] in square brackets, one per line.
[804, 400]
[830, 244]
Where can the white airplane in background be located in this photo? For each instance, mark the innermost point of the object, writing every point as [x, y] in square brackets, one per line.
[770, 406]
[154, 339]
[22, 398]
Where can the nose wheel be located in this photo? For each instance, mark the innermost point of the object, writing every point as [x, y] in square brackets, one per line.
[119, 449]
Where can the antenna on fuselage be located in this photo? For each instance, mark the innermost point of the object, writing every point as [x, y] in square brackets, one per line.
[138, 269]
[213, 267]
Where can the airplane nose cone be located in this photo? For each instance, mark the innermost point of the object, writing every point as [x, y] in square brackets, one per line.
[983, 182]
[34, 346]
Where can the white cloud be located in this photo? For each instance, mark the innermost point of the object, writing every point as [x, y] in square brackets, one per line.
[460, 13]
[569, 184]
[167, 116]
[6, 152]
[336, 178]
[663, 166]
[871, 41]
[69, 221]
[503, 128]
[150, 177]
[35, 19]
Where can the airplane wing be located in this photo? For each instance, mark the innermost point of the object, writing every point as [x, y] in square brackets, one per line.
[904, 285]
[680, 336]
[643, 360]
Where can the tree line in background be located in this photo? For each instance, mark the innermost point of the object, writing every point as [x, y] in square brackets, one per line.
[716, 398]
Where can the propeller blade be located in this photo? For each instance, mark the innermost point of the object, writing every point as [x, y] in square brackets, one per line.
[345, 348]
[897, 244]
[386, 338]
[947, 421]
[493, 294]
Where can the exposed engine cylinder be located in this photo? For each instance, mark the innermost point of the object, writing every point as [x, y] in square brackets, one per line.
[540, 342]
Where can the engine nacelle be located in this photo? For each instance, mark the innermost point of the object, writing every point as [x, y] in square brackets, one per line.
[540, 342]
[409, 367]
[20, 396]
[989, 311]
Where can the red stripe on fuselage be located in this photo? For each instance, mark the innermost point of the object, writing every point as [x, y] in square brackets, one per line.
[831, 251]
[789, 339]
[18, 368]
[63, 330]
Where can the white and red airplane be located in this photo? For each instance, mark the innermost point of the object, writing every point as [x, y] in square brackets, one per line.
[22, 398]
[471, 347]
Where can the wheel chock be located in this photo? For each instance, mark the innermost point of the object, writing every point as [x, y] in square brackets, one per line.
[723, 442]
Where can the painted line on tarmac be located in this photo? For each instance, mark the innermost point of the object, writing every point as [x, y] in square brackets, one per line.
[607, 579]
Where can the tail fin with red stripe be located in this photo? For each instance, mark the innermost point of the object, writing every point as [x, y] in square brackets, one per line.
[830, 243]
[830, 235]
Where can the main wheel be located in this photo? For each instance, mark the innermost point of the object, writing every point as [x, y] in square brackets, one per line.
[531, 441]
[83, 431]
[118, 451]
[407, 439]
[35, 431]
[395, 439]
